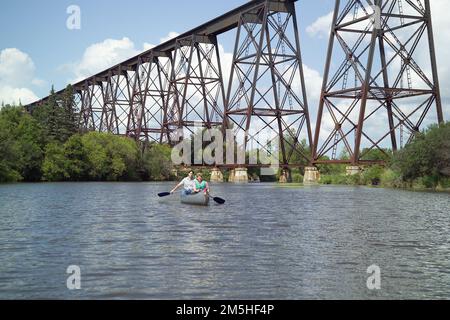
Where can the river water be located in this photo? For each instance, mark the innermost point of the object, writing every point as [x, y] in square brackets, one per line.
[267, 242]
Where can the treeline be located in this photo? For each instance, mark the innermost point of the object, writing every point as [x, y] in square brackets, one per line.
[422, 164]
[46, 146]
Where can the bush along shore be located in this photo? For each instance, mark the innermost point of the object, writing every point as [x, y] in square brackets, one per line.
[424, 164]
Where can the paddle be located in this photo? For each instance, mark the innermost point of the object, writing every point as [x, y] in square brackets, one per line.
[217, 199]
[164, 194]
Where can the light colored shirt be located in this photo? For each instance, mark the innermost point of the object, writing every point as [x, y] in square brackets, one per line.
[188, 184]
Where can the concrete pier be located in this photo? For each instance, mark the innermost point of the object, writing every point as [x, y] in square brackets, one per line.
[238, 175]
[312, 176]
[216, 175]
[353, 170]
[285, 177]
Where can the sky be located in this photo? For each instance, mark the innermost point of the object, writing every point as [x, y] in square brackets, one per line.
[40, 51]
[37, 50]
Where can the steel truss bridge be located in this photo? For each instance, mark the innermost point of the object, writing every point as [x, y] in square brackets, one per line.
[378, 88]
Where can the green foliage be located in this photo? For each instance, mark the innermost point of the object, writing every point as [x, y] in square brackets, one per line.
[338, 179]
[21, 146]
[54, 166]
[331, 169]
[372, 175]
[377, 155]
[57, 116]
[445, 183]
[297, 177]
[77, 166]
[157, 163]
[45, 147]
[110, 157]
[391, 179]
[93, 156]
[427, 158]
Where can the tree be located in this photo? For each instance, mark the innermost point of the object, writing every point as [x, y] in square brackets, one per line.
[58, 116]
[427, 156]
[21, 145]
[110, 157]
[54, 166]
[157, 164]
[69, 123]
[77, 165]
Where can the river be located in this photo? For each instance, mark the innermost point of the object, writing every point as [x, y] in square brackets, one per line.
[267, 242]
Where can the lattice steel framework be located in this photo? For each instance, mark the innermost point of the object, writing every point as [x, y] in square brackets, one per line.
[105, 102]
[196, 92]
[266, 94]
[150, 89]
[383, 87]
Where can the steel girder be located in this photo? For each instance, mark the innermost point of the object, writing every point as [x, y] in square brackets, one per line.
[196, 93]
[266, 97]
[382, 91]
[149, 93]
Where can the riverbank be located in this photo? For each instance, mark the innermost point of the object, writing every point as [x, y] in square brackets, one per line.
[388, 179]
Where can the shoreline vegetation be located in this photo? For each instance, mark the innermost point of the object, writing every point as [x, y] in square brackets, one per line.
[46, 146]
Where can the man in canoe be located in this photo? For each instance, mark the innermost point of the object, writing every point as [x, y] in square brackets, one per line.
[187, 183]
[201, 185]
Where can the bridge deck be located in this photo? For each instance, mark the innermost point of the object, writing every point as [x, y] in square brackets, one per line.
[217, 26]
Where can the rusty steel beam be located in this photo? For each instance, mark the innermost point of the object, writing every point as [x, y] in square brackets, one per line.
[380, 89]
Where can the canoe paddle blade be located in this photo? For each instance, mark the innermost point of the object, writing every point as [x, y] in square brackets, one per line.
[219, 200]
[164, 194]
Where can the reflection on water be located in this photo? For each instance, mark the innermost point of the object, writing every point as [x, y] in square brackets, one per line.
[267, 242]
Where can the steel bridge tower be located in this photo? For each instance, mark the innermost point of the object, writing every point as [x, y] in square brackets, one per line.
[380, 83]
[266, 99]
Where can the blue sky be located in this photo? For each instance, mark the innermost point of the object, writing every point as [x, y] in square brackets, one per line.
[38, 29]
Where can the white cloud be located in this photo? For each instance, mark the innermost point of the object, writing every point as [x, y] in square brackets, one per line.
[170, 36]
[16, 67]
[39, 82]
[321, 27]
[10, 95]
[148, 46]
[16, 76]
[103, 55]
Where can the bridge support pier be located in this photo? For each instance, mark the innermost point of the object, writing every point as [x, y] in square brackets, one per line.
[216, 175]
[353, 170]
[285, 176]
[239, 175]
[312, 176]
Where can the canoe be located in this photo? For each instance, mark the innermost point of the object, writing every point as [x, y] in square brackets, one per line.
[198, 199]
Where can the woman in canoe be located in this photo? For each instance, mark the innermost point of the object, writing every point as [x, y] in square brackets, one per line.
[201, 185]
